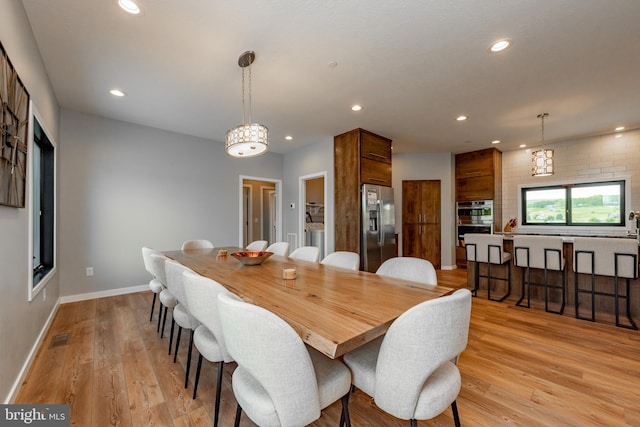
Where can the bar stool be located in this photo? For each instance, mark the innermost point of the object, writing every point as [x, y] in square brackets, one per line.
[539, 252]
[489, 249]
[612, 257]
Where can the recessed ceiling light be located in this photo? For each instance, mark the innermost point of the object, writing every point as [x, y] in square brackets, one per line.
[500, 45]
[288, 138]
[496, 141]
[461, 118]
[129, 6]
[523, 145]
[116, 92]
[619, 128]
[356, 107]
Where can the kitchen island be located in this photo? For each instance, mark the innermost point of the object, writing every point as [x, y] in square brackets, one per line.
[604, 306]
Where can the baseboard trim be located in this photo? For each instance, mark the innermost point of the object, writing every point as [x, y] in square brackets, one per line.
[32, 354]
[103, 294]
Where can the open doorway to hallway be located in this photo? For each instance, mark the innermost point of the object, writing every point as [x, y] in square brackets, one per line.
[313, 199]
[261, 210]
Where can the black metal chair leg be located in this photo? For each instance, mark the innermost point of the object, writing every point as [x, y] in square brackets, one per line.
[153, 305]
[414, 423]
[175, 351]
[164, 320]
[186, 374]
[159, 317]
[218, 393]
[456, 417]
[238, 414]
[195, 385]
[173, 324]
[344, 416]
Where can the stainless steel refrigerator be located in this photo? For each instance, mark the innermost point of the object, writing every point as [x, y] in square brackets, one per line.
[378, 227]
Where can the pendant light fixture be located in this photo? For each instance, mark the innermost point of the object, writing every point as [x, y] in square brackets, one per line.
[248, 139]
[542, 159]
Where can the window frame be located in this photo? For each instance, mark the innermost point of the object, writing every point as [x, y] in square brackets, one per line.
[568, 187]
[38, 281]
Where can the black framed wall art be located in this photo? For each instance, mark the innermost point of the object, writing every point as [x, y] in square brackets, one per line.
[14, 118]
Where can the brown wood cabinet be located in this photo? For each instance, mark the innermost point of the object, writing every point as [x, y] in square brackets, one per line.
[479, 177]
[421, 228]
[360, 157]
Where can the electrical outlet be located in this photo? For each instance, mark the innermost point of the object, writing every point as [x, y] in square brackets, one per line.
[89, 271]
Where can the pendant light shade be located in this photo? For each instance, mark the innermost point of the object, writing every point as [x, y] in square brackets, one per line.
[542, 159]
[248, 139]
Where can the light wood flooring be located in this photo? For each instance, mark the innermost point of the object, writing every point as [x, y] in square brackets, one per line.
[521, 367]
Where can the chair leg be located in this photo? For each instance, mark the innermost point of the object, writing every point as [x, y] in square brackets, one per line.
[173, 324]
[164, 320]
[238, 414]
[186, 374]
[456, 417]
[344, 416]
[195, 385]
[218, 393]
[153, 305]
[159, 317]
[414, 423]
[175, 351]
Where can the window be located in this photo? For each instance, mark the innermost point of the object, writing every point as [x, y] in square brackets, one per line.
[42, 207]
[588, 204]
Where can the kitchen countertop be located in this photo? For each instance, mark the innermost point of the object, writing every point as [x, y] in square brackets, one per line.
[566, 237]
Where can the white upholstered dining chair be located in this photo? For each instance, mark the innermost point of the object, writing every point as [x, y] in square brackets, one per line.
[181, 314]
[279, 380]
[410, 371]
[409, 268]
[306, 253]
[279, 248]
[343, 259]
[202, 296]
[197, 244]
[257, 245]
[167, 300]
[155, 284]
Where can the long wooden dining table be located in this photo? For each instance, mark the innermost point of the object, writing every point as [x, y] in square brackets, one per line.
[334, 310]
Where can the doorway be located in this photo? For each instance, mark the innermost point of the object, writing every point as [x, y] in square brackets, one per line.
[313, 220]
[261, 210]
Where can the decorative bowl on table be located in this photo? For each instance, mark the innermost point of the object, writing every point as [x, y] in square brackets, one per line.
[251, 257]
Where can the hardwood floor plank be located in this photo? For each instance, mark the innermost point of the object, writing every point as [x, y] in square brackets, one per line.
[521, 367]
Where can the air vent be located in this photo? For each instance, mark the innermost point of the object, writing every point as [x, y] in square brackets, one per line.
[58, 340]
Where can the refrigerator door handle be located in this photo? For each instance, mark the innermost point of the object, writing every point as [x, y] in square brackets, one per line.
[380, 222]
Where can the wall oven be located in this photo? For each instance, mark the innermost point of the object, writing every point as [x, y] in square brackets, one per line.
[474, 217]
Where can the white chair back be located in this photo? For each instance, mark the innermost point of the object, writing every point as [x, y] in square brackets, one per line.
[202, 296]
[157, 267]
[257, 245]
[279, 248]
[197, 244]
[146, 257]
[604, 255]
[479, 246]
[343, 259]
[417, 343]
[306, 253]
[409, 268]
[268, 349]
[532, 251]
[175, 284]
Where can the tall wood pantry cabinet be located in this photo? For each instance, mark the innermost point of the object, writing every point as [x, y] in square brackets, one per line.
[360, 157]
[421, 228]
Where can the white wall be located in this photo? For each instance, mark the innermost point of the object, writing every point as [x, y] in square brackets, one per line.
[429, 166]
[308, 160]
[123, 186]
[595, 158]
[21, 321]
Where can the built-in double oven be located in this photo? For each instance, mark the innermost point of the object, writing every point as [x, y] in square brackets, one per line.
[474, 217]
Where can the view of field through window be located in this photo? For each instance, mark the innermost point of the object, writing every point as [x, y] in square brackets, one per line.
[589, 204]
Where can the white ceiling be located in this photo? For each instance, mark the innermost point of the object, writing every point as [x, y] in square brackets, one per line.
[414, 65]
